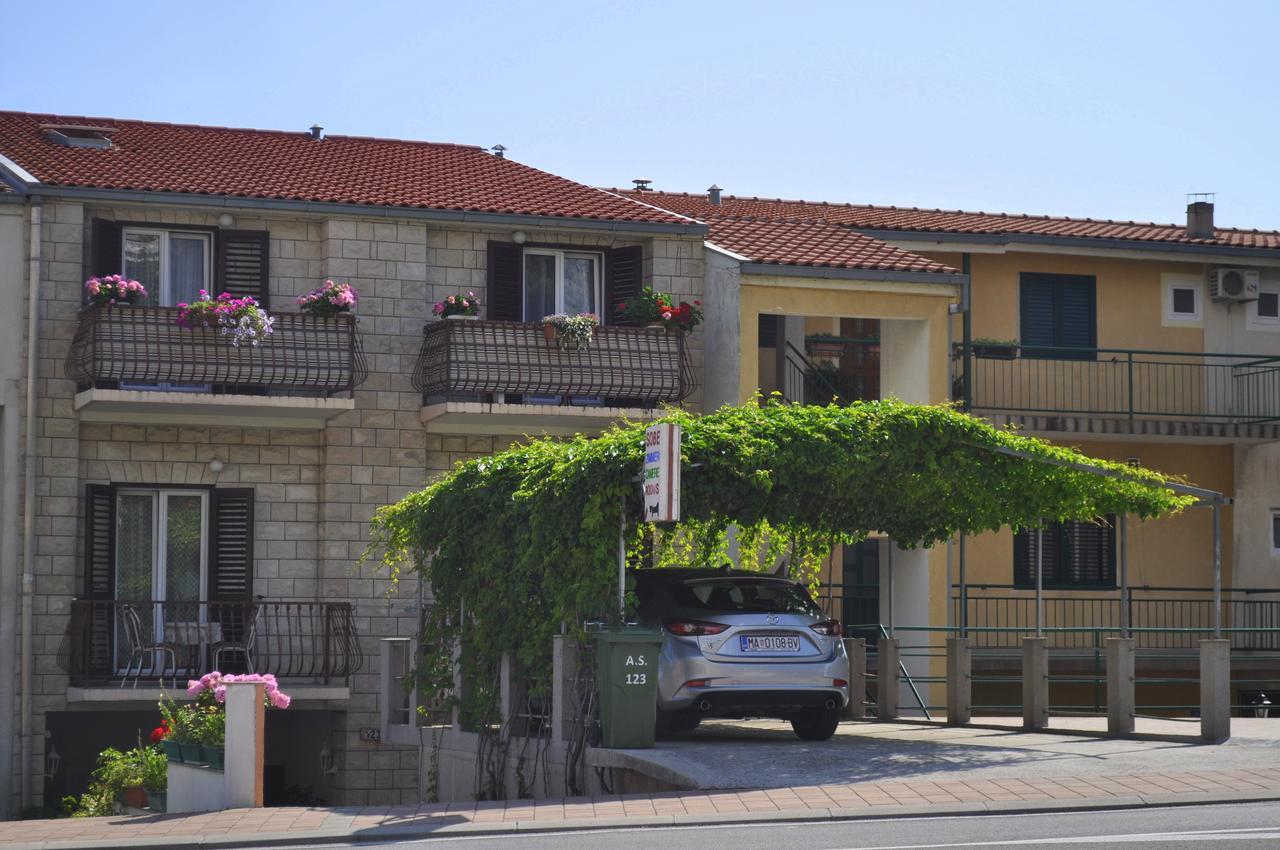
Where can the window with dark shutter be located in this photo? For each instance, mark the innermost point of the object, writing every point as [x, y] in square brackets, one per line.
[506, 282]
[623, 279]
[104, 253]
[243, 264]
[768, 330]
[231, 545]
[1076, 555]
[94, 631]
[1058, 312]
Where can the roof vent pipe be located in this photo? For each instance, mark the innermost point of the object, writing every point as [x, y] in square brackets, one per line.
[642, 184]
[1200, 216]
[317, 132]
[499, 150]
[713, 195]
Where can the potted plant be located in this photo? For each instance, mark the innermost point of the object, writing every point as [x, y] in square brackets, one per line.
[114, 289]
[122, 772]
[162, 736]
[458, 307]
[211, 726]
[179, 738]
[330, 299]
[994, 349]
[550, 324]
[824, 346]
[155, 778]
[572, 331]
[659, 309]
[239, 319]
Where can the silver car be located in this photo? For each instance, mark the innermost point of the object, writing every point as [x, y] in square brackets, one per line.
[743, 644]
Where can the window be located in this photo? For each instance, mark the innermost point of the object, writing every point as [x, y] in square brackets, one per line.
[1058, 313]
[1182, 297]
[1275, 531]
[173, 265]
[560, 282]
[1264, 314]
[1076, 555]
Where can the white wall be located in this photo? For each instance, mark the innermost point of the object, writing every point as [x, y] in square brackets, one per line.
[722, 366]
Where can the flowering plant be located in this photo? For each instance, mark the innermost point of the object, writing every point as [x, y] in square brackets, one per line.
[659, 307]
[573, 331]
[239, 318]
[204, 721]
[329, 299]
[114, 289]
[458, 305]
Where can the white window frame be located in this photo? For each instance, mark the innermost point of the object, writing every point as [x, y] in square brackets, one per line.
[165, 297]
[1169, 283]
[1256, 322]
[160, 527]
[559, 254]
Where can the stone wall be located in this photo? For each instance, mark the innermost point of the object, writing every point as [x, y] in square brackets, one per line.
[315, 490]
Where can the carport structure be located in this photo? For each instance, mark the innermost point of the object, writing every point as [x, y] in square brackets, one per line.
[526, 542]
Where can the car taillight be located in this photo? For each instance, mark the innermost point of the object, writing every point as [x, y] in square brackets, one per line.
[693, 628]
[827, 627]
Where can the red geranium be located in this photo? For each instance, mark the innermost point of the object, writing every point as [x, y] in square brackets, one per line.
[161, 732]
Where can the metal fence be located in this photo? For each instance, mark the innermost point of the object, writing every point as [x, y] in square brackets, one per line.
[636, 366]
[144, 347]
[1129, 383]
[116, 641]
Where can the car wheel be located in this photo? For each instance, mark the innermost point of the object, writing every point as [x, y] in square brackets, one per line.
[816, 724]
[675, 721]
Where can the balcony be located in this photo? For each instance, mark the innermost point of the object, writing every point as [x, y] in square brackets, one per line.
[479, 377]
[124, 647]
[1112, 391]
[135, 364]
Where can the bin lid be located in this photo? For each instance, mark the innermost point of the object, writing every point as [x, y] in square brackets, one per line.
[628, 634]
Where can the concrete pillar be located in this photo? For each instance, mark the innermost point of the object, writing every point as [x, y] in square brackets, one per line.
[564, 666]
[856, 649]
[1035, 683]
[959, 682]
[1120, 688]
[246, 714]
[1215, 690]
[888, 679]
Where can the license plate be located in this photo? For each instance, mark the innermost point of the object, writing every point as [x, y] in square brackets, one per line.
[769, 643]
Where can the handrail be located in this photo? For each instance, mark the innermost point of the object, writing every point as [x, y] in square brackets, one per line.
[1149, 351]
[806, 372]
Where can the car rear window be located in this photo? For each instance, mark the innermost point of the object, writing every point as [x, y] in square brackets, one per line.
[728, 595]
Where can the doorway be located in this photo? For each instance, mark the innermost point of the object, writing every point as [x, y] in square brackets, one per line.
[861, 590]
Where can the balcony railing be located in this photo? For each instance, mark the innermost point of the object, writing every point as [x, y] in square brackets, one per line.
[1123, 383]
[637, 367]
[119, 346]
[117, 642]
[1159, 618]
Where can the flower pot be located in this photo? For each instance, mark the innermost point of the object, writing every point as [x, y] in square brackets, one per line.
[825, 350]
[460, 316]
[549, 331]
[990, 351]
[192, 753]
[172, 750]
[216, 756]
[158, 801]
[134, 798]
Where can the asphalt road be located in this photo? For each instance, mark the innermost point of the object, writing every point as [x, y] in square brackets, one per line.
[1239, 826]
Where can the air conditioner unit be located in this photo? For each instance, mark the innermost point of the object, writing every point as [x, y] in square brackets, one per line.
[1228, 284]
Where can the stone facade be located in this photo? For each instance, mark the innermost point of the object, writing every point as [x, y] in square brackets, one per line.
[315, 490]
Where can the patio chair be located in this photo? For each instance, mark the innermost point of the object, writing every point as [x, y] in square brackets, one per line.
[238, 638]
[144, 646]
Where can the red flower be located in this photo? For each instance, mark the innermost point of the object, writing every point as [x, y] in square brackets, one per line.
[158, 734]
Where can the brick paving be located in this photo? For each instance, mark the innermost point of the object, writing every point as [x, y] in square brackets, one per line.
[246, 827]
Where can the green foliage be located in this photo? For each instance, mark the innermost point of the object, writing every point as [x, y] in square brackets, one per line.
[141, 767]
[209, 725]
[179, 720]
[517, 544]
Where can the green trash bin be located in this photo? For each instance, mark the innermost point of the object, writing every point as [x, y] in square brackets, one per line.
[627, 676]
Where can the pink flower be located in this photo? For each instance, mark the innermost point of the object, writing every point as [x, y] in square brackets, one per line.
[220, 693]
[452, 300]
[194, 687]
[666, 314]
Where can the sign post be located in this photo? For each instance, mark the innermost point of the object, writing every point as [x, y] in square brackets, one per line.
[661, 479]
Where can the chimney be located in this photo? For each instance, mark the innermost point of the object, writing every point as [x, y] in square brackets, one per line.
[1200, 215]
[317, 132]
[642, 184]
[499, 150]
[713, 195]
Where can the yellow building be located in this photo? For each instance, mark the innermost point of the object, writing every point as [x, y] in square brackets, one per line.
[1154, 344]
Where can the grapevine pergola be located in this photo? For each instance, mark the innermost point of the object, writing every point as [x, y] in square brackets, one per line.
[526, 541]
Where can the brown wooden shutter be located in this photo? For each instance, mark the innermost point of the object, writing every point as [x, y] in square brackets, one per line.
[242, 264]
[506, 282]
[623, 279]
[106, 250]
[231, 544]
[93, 625]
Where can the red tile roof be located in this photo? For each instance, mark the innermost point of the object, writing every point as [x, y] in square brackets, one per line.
[273, 164]
[813, 244]
[866, 217]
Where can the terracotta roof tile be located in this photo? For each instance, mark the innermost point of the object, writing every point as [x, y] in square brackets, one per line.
[813, 244]
[274, 164]
[868, 217]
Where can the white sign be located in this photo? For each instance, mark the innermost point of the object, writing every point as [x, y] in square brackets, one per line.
[661, 479]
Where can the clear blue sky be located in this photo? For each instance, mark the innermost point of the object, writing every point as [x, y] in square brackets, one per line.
[1112, 109]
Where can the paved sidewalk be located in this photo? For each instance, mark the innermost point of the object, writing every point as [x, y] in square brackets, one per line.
[249, 827]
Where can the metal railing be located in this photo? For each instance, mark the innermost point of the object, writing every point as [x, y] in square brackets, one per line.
[1128, 383]
[1159, 618]
[119, 346]
[121, 641]
[635, 367]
